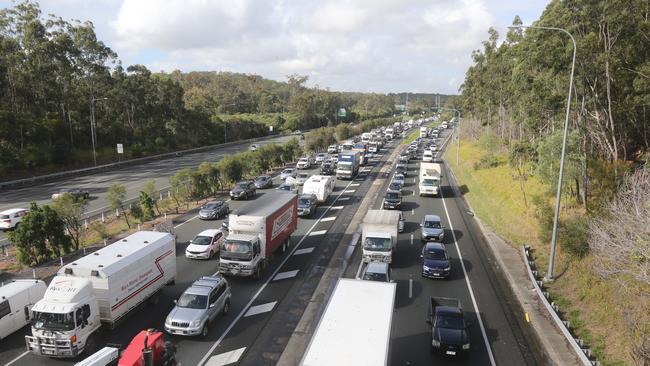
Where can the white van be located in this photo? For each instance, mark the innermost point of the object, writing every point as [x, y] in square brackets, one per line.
[9, 219]
[427, 156]
[16, 301]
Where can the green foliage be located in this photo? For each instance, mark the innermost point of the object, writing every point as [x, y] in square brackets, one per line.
[573, 236]
[137, 212]
[100, 228]
[319, 139]
[147, 204]
[40, 236]
[180, 186]
[549, 151]
[116, 195]
[70, 211]
[544, 214]
[487, 161]
[232, 168]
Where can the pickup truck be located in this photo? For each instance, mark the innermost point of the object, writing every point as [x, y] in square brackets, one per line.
[449, 330]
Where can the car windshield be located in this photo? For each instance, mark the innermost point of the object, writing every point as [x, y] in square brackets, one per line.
[399, 177]
[435, 254]
[303, 175]
[372, 276]
[377, 244]
[288, 171]
[209, 206]
[392, 195]
[242, 184]
[53, 321]
[345, 167]
[449, 321]
[192, 301]
[429, 182]
[285, 187]
[202, 240]
[395, 186]
[432, 224]
[262, 179]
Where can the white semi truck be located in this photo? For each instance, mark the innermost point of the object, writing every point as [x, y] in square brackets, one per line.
[256, 231]
[102, 287]
[355, 327]
[430, 175]
[16, 301]
[379, 235]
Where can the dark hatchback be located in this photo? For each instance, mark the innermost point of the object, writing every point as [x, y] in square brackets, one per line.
[392, 200]
[307, 204]
[263, 181]
[213, 210]
[243, 190]
[327, 169]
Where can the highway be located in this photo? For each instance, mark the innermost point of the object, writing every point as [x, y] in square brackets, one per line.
[132, 177]
[239, 333]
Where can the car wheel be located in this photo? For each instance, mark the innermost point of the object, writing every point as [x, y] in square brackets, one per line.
[226, 307]
[211, 255]
[205, 330]
[258, 272]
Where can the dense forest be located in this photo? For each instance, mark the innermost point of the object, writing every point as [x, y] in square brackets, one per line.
[55, 76]
[515, 98]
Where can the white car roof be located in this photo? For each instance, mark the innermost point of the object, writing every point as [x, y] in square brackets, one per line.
[12, 210]
[209, 232]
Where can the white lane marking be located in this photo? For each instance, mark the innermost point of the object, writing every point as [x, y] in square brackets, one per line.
[336, 208]
[469, 286]
[285, 275]
[412, 211]
[344, 198]
[355, 185]
[410, 288]
[411, 239]
[330, 218]
[226, 358]
[259, 309]
[319, 232]
[17, 358]
[350, 191]
[303, 251]
[259, 291]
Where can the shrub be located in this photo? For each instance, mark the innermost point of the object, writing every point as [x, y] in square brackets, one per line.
[487, 161]
[573, 235]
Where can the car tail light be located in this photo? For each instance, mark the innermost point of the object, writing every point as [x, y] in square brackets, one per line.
[7, 221]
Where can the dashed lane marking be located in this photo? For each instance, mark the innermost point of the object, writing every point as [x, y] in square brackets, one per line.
[319, 232]
[303, 251]
[226, 358]
[285, 275]
[259, 309]
[330, 218]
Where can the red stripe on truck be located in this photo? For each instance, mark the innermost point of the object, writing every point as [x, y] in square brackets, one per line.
[161, 275]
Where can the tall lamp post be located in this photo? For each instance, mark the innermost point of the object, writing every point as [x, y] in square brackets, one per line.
[93, 127]
[549, 274]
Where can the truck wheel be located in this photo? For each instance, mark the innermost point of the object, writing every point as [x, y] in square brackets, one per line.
[91, 345]
[205, 330]
[258, 272]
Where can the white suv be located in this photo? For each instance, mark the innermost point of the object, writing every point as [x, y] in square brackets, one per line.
[303, 163]
[206, 244]
[9, 219]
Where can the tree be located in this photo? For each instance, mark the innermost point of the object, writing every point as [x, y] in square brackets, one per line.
[70, 210]
[150, 189]
[116, 195]
[521, 154]
[146, 203]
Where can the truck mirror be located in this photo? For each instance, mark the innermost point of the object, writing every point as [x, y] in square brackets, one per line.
[175, 301]
[428, 320]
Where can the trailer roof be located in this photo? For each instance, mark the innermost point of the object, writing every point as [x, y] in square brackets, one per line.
[355, 328]
[14, 287]
[265, 205]
[381, 217]
[113, 258]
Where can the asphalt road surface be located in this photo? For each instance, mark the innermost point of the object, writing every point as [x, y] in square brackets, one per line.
[249, 333]
[132, 177]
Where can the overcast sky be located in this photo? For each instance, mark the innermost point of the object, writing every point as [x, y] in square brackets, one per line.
[347, 45]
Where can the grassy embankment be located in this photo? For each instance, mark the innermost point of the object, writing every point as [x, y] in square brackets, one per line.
[587, 301]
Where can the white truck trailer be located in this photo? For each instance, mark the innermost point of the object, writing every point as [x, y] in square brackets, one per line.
[320, 185]
[256, 231]
[424, 132]
[379, 235]
[16, 301]
[355, 327]
[102, 287]
[430, 175]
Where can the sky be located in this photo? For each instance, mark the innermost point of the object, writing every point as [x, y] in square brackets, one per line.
[345, 45]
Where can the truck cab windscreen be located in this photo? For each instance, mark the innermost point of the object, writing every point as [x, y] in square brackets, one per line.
[345, 167]
[53, 321]
[192, 301]
[303, 202]
[377, 244]
[430, 183]
[236, 249]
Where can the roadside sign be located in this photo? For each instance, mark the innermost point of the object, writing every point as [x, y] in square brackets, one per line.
[342, 112]
[120, 149]
[270, 128]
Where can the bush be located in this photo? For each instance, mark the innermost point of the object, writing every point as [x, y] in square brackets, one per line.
[487, 161]
[101, 229]
[544, 214]
[573, 235]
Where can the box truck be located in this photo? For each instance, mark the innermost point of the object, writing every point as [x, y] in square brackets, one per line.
[379, 235]
[16, 300]
[430, 174]
[355, 327]
[100, 288]
[256, 231]
[320, 185]
[348, 165]
[424, 132]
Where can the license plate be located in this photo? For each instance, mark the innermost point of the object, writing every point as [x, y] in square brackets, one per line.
[453, 353]
[47, 352]
[436, 274]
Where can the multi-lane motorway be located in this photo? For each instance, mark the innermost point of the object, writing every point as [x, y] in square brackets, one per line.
[132, 177]
[265, 313]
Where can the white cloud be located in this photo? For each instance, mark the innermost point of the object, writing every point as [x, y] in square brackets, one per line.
[365, 45]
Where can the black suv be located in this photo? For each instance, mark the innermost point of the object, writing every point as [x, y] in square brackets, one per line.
[327, 169]
[243, 190]
[392, 200]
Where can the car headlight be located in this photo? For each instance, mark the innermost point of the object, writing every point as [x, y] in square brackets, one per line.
[447, 269]
[425, 268]
[435, 343]
[195, 323]
[466, 346]
[168, 320]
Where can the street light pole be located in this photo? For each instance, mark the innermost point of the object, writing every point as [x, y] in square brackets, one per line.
[551, 261]
[93, 127]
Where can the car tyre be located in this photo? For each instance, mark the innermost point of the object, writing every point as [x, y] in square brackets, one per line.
[205, 330]
[226, 307]
[258, 272]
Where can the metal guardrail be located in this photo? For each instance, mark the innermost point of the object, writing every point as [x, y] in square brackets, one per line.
[583, 352]
[126, 162]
